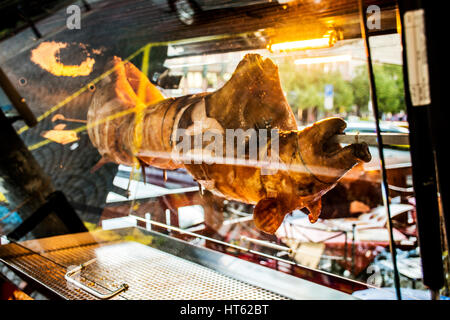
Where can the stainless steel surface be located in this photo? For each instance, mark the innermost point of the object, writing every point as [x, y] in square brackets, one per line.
[318, 292]
[149, 272]
[167, 268]
[47, 260]
[193, 234]
[43, 271]
[154, 274]
[276, 281]
[371, 138]
[266, 244]
[234, 246]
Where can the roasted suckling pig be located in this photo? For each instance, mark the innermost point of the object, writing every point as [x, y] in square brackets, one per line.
[130, 122]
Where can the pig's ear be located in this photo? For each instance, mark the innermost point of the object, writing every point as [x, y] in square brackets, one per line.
[269, 214]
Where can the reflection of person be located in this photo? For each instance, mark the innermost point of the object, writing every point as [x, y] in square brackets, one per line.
[312, 114]
[402, 116]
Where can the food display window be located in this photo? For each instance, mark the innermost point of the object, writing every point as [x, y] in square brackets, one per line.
[191, 149]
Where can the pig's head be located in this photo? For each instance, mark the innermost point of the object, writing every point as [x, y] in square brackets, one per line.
[314, 164]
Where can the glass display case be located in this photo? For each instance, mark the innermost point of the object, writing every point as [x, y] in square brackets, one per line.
[217, 150]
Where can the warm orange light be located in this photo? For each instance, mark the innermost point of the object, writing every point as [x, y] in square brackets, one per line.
[61, 136]
[330, 59]
[130, 80]
[302, 44]
[46, 56]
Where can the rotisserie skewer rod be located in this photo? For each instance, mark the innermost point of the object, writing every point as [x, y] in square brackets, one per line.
[371, 138]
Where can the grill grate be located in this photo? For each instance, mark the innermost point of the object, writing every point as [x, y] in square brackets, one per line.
[150, 273]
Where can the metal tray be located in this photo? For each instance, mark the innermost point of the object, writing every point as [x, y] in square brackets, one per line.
[167, 268]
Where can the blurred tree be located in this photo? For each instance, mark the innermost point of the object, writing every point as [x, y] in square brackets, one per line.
[360, 87]
[389, 83]
[343, 91]
[304, 87]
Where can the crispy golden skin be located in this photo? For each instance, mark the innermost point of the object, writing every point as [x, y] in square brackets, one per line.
[252, 99]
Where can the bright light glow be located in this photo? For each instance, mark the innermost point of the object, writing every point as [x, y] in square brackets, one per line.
[303, 44]
[341, 58]
[47, 56]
